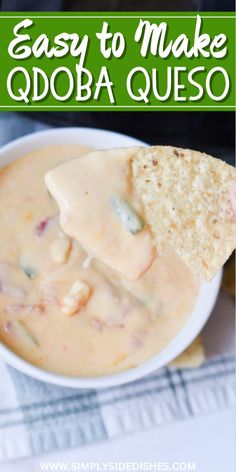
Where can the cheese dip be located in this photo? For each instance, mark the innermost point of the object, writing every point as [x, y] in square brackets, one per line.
[67, 313]
[99, 208]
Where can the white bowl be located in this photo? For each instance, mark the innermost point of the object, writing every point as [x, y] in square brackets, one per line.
[205, 301]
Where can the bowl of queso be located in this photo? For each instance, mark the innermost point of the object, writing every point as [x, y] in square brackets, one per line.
[126, 329]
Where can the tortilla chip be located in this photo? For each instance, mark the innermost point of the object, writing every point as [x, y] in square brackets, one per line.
[186, 199]
[193, 356]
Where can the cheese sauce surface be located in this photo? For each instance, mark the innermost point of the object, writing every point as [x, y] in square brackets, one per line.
[100, 209]
[63, 312]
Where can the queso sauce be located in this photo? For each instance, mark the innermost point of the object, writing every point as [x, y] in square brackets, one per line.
[101, 210]
[44, 273]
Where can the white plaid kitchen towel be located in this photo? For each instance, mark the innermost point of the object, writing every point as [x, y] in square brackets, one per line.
[36, 417]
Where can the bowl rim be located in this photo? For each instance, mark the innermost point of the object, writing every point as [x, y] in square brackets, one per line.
[206, 299]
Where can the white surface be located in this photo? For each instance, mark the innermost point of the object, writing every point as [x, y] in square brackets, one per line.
[207, 295]
[209, 441]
